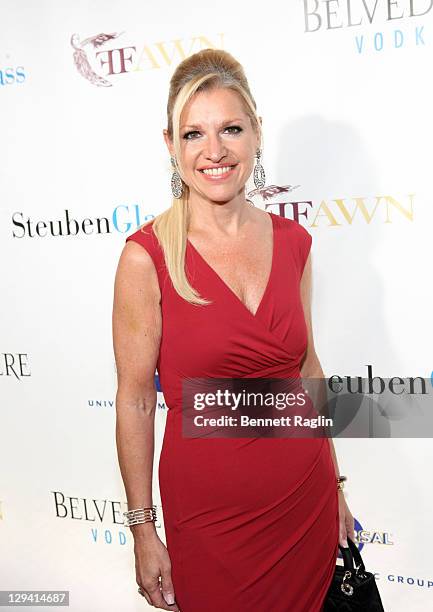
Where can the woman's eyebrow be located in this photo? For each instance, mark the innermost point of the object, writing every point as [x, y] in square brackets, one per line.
[220, 125]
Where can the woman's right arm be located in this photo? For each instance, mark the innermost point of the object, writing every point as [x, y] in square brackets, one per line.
[137, 325]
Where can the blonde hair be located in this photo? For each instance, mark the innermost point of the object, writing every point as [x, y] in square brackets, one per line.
[205, 70]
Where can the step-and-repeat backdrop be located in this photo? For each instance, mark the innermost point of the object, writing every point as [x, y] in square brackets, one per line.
[344, 89]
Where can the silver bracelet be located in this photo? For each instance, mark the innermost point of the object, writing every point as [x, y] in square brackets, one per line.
[140, 515]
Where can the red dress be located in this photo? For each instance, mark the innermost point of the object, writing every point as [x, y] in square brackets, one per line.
[250, 523]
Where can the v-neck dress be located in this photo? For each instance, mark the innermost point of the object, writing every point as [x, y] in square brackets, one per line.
[250, 523]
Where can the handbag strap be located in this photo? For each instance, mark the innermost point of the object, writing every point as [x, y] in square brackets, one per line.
[351, 554]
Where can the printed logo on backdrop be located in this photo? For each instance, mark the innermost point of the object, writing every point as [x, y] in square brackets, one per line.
[122, 219]
[378, 407]
[350, 211]
[10, 74]
[15, 365]
[370, 536]
[125, 218]
[380, 25]
[101, 59]
[384, 538]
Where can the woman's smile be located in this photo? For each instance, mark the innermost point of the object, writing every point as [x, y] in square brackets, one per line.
[220, 173]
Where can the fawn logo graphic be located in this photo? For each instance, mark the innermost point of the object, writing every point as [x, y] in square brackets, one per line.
[271, 191]
[100, 59]
[339, 211]
[81, 59]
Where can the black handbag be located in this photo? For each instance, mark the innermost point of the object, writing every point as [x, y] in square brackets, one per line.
[352, 587]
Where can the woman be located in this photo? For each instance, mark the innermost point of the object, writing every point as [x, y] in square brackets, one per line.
[216, 288]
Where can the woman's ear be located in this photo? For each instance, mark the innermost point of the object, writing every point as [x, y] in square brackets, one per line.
[168, 142]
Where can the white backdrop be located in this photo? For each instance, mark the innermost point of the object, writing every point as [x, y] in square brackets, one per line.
[346, 105]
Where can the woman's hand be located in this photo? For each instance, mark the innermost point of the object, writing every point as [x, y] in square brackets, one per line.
[152, 562]
[347, 523]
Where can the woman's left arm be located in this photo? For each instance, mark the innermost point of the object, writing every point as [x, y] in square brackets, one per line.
[311, 368]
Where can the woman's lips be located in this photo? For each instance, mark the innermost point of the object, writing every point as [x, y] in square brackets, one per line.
[218, 177]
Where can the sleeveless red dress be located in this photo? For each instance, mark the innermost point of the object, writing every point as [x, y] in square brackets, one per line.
[250, 523]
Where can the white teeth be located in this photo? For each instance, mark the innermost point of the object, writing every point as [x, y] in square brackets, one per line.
[217, 171]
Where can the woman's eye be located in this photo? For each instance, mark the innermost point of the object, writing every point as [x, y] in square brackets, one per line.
[235, 127]
[188, 133]
[231, 127]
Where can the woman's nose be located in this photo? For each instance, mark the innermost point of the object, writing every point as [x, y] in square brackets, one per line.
[215, 148]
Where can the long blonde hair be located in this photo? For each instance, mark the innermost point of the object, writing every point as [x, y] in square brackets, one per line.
[207, 69]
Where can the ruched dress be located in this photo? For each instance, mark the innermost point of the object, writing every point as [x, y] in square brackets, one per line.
[250, 523]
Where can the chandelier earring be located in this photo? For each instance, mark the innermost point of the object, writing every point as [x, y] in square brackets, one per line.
[176, 181]
[259, 173]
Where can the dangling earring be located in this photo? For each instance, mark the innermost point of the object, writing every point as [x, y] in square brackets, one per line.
[176, 181]
[259, 173]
